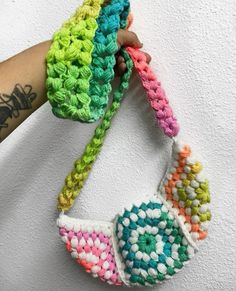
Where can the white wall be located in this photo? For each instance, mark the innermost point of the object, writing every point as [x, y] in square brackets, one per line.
[192, 45]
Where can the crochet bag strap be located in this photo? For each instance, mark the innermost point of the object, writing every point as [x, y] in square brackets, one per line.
[80, 67]
[155, 94]
[81, 60]
[158, 101]
[77, 177]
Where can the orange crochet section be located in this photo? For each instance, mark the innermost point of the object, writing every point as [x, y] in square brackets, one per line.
[188, 193]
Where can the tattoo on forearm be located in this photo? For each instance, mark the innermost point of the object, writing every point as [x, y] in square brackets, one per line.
[21, 98]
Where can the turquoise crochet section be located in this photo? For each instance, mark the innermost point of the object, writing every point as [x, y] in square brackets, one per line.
[151, 243]
[112, 18]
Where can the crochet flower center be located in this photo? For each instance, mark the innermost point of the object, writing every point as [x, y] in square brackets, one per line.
[147, 243]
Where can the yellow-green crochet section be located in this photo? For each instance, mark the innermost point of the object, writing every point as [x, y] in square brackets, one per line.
[81, 60]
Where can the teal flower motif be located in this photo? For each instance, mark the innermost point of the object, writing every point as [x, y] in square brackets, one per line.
[151, 243]
[147, 243]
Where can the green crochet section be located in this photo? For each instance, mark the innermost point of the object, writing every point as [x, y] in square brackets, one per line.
[151, 243]
[81, 60]
[77, 177]
[68, 63]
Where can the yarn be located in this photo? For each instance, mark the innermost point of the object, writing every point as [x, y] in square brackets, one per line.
[151, 240]
[81, 60]
[152, 243]
[81, 64]
[91, 246]
[76, 178]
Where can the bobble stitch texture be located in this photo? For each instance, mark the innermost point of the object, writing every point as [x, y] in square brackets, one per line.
[81, 59]
[81, 64]
[189, 197]
[153, 247]
[75, 180]
[91, 248]
[156, 95]
[151, 241]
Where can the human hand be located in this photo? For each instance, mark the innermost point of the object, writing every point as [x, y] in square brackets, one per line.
[126, 38]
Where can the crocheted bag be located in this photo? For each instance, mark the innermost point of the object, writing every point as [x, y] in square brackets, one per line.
[150, 240]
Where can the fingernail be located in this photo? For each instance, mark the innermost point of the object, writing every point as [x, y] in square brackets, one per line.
[139, 45]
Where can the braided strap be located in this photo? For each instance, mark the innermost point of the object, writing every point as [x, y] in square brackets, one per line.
[156, 95]
[81, 59]
[76, 179]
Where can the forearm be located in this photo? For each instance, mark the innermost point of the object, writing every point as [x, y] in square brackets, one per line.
[22, 86]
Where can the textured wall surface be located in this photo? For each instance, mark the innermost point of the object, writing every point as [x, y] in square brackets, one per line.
[193, 45]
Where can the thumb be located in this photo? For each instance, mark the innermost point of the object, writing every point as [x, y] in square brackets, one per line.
[128, 38]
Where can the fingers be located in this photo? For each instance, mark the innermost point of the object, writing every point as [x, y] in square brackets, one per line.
[106, 2]
[121, 66]
[121, 69]
[120, 60]
[149, 58]
[128, 38]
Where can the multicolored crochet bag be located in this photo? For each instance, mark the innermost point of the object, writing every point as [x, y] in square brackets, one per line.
[150, 240]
